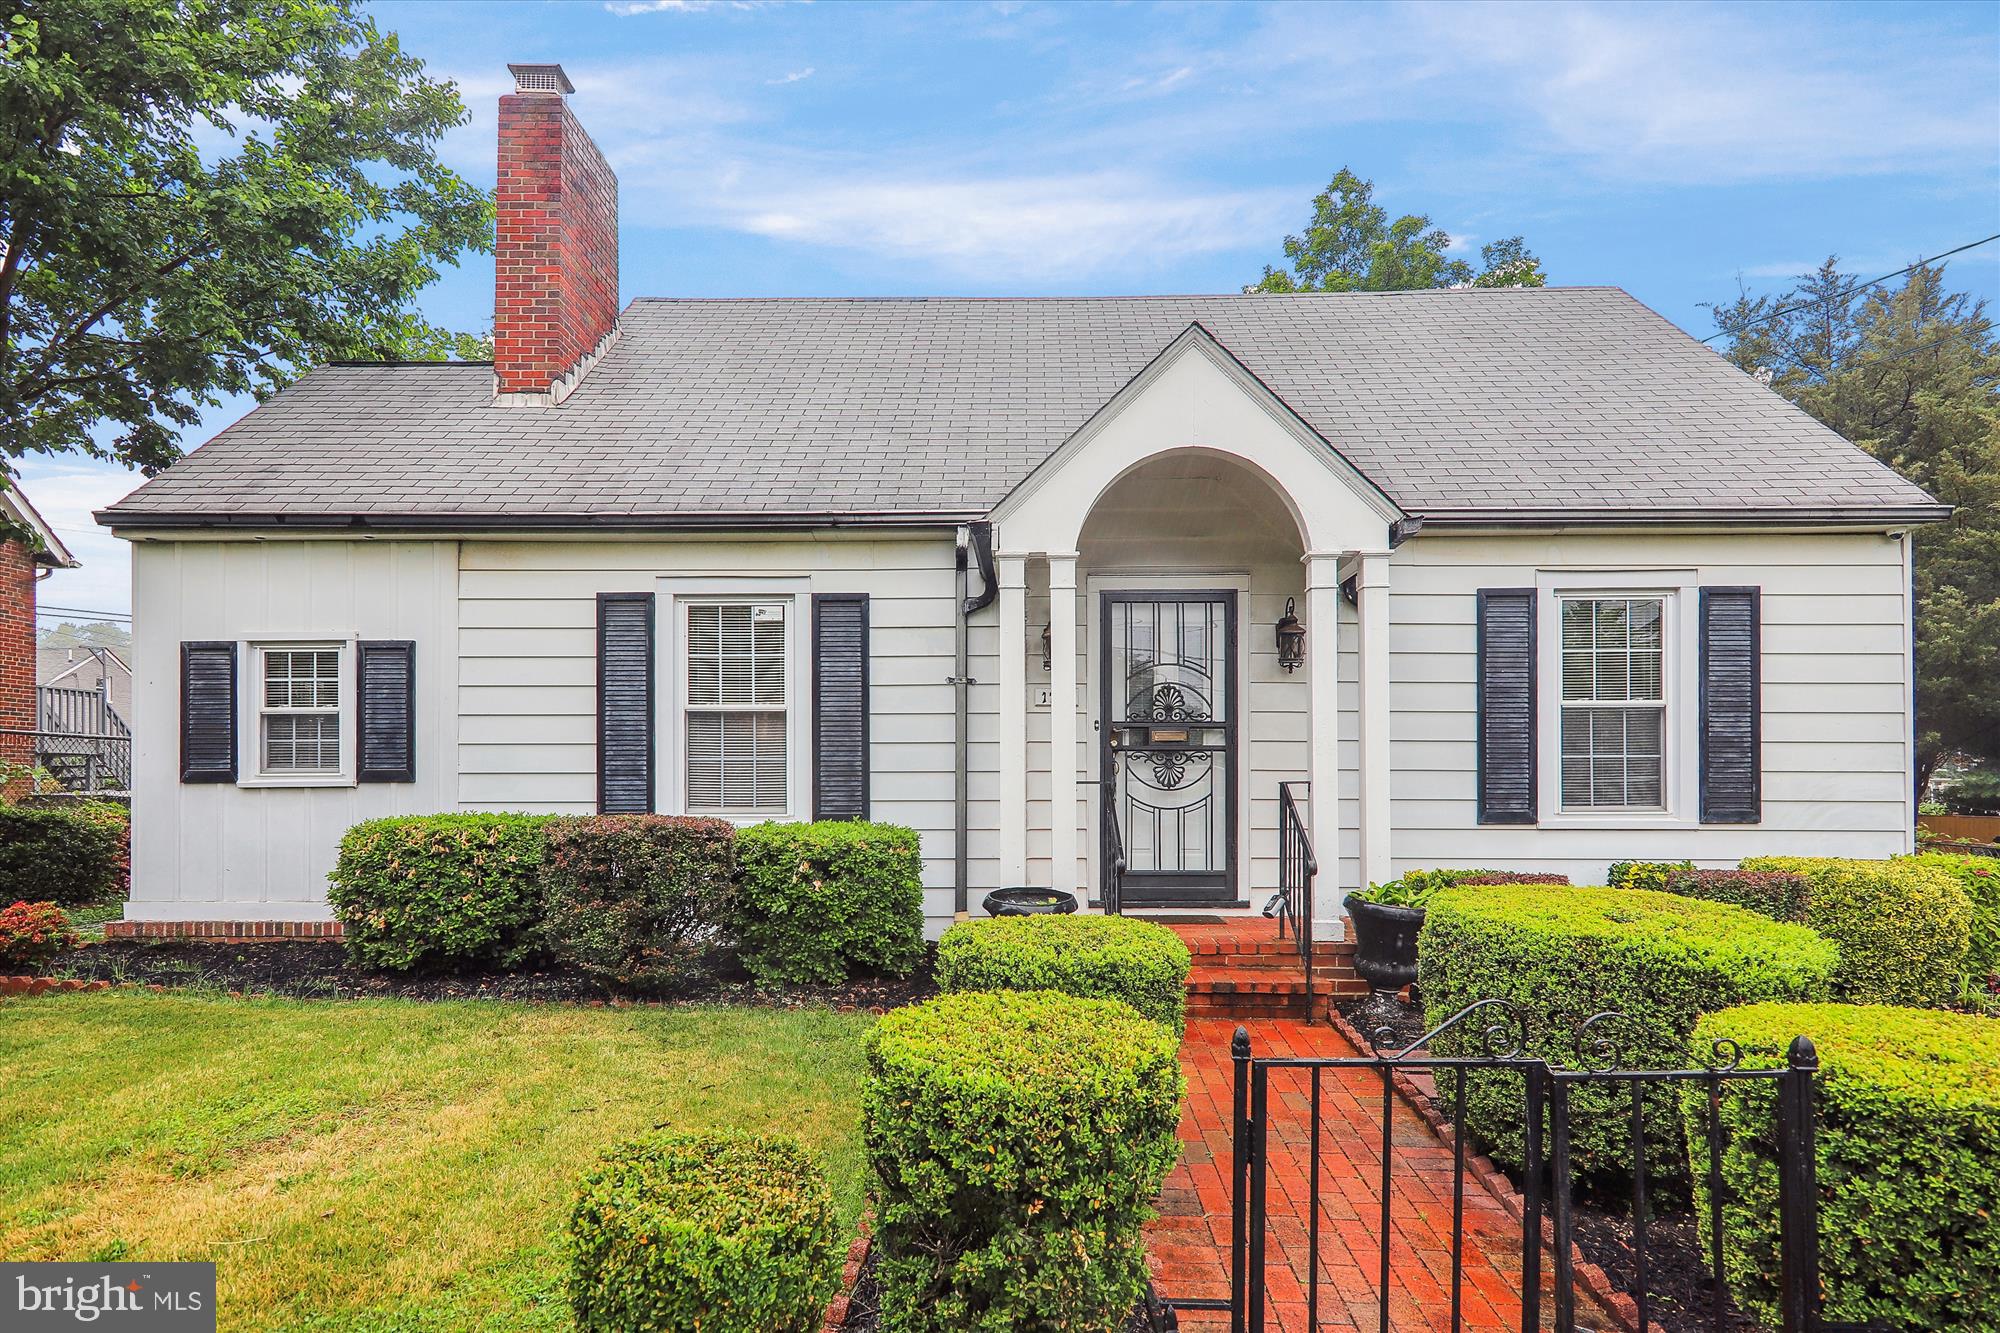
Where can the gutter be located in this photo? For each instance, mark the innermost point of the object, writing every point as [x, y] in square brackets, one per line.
[556, 522]
[974, 544]
[1815, 515]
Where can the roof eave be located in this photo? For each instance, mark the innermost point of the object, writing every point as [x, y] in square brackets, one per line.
[739, 521]
[1855, 516]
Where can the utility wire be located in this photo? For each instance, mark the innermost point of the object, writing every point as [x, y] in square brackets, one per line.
[1857, 287]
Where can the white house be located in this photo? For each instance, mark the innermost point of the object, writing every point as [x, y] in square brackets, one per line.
[1572, 589]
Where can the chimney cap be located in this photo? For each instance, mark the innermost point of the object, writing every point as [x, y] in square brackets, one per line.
[540, 79]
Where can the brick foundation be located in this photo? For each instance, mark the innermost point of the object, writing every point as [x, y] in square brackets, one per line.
[232, 932]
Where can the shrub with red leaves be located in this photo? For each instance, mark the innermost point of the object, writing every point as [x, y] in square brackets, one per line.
[33, 933]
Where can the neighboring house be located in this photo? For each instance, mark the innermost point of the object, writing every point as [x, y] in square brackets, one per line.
[1572, 588]
[29, 552]
[97, 670]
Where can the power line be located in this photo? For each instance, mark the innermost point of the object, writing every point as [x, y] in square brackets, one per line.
[81, 612]
[1857, 287]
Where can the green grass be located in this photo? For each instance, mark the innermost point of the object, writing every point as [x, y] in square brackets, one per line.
[377, 1165]
[89, 921]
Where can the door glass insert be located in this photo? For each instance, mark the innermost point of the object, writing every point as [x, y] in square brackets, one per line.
[1168, 665]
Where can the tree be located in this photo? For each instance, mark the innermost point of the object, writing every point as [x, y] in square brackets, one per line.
[1912, 375]
[91, 634]
[1352, 246]
[203, 197]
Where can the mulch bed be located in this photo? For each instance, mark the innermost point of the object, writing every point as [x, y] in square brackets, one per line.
[864, 1307]
[1678, 1288]
[318, 970]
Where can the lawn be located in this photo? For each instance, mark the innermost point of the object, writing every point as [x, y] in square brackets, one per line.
[376, 1165]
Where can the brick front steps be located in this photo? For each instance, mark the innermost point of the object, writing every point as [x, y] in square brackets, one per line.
[225, 932]
[1243, 970]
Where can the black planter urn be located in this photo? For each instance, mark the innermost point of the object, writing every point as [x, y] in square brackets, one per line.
[1385, 942]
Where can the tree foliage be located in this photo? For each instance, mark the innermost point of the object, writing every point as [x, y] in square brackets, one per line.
[1910, 373]
[1351, 245]
[202, 197]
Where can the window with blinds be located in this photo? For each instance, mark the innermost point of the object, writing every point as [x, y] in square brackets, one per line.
[736, 709]
[299, 710]
[1614, 705]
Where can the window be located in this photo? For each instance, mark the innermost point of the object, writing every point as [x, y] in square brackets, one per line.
[737, 708]
[298, 714]
[1613, 720]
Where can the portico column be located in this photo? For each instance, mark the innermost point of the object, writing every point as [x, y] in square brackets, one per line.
[1013, 720]
[1062, 720]
[1371, 581]
[1323, 688]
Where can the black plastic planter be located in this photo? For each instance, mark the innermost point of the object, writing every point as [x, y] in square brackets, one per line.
[1385, 942]
[1028, 902]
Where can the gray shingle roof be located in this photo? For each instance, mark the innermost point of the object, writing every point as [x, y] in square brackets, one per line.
[1522, 402]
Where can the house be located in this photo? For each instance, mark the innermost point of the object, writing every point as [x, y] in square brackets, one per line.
[30, 551]
[96, 670]
[1557, 586]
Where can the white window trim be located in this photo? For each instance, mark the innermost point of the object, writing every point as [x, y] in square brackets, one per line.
[1680, 766]
[250, 711]
[670, 686]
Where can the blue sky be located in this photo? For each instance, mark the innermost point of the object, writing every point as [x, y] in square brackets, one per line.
[1027, 148]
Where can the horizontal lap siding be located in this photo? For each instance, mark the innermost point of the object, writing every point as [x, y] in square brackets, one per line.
[527, 674]
[1835, 728]
[219, 851]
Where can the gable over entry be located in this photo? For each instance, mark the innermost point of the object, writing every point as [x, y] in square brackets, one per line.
[1195, 399]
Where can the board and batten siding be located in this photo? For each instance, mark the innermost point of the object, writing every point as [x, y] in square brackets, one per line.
[527, 672]
[1836, 741]
[228, 852]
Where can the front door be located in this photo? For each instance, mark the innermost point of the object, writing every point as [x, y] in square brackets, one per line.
[1167, 703]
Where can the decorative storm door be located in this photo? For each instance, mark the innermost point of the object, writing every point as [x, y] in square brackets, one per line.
[1168, 709]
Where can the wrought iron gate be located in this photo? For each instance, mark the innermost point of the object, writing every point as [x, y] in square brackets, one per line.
[1500, 1031]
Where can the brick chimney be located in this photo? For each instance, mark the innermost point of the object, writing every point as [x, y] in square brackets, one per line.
[555, 298]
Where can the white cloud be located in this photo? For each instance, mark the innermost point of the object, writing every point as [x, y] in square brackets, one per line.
[796, 76]
[66, 491]
[629, 8]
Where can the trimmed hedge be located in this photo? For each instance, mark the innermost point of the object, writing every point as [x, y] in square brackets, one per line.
[440, 890]
[1908, 1153]
[1018, 1139]
[634, 901]
[1499, 877]
[1778, 894]
[820, 902]
[1648, 875]
[33, 933]
[722, 1232]
[1565, 954]
[70, 855]
[1903, 929]
[1098, 957]
[1979, 876]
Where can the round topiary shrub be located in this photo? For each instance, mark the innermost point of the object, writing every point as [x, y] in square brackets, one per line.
[1018, 1139]
[1563, 955]
[1097, 957]
[1903, 927]
[1908, 1148]
[726, 1233]
[637, 901]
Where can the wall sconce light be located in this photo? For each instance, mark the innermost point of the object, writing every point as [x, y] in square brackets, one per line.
[1048, 649]
[1291, 639]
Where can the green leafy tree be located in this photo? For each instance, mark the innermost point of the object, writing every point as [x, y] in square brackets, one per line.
[91, 634]
[1351, 245]
[1911, 374]
[202, 197]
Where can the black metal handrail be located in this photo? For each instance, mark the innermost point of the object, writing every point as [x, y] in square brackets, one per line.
[1297, 869]
[1112, 896]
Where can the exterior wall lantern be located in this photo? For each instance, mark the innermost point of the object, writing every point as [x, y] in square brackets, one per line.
[1291, 639]
[1048, 649]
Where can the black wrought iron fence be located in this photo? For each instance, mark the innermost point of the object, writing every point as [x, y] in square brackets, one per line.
[1297, 870]
[1548, 1221]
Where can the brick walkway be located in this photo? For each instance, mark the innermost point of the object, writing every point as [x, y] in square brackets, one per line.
[1189, 1242]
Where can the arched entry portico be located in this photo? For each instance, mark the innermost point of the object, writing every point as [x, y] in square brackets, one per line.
[1195, 488]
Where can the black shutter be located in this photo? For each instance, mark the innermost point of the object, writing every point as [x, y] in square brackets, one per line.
[208, 712]
[386, 670]
[840, 706]
[625, 703]
[1732, 730]
[1506, 692]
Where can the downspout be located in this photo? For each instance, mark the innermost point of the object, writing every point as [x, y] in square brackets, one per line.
[975, 543]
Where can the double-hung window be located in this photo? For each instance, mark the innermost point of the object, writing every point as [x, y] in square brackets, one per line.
[736, 707]
[298, 710]
[1613, 726]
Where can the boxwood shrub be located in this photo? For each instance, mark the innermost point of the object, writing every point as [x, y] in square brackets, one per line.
[636, 900]
[1018, 1139]
[1979, 876]
[1908, 1151]
[1099, 957]
[1651, 875]
[1903, 928]
[819, 902]
[721, 1232]
[440, 890]
[1778, 894]
[70, 855]
[1563, 955]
